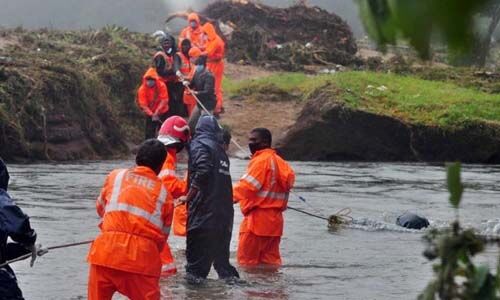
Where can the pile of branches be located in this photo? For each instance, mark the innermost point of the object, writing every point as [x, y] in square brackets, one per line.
[286, 38]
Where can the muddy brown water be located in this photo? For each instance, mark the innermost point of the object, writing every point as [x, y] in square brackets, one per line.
[371, 259]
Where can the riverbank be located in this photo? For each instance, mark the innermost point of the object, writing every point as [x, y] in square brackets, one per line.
[375, 116]
[71, 95]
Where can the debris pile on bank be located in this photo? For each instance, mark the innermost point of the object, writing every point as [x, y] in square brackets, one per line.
[68, 95]
[284, 38]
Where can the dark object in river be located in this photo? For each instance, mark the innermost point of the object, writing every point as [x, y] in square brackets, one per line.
[412, 221]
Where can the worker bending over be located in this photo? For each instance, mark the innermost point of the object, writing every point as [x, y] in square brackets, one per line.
[135, 222]
[152, 99]
[210, 206]
[215, 51]
[263, 196]
[174, 134]
[14, 224]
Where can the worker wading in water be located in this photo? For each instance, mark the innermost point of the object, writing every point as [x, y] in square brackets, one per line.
[14, 224]
[203, 87]
[136, 217]
[193, 32]
[209, 203]
[263, 196]
[215, 51]
[152, 99]
[167, 63]
[174, 134]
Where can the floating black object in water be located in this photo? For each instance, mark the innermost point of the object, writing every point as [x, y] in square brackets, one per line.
[412, 221]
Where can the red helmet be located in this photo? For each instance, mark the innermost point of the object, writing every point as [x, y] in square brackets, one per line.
[174, 130]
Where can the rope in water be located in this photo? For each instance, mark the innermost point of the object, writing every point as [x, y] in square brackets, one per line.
[342, 217]
[28, 255]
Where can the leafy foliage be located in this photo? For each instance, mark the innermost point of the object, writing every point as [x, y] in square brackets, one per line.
[457, 277]
[421, 21]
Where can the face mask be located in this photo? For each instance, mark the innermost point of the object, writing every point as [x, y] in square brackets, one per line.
[179, 147]
[199, 68]
[254, 147]
[193, 24]
[169, 51]
[150, 83]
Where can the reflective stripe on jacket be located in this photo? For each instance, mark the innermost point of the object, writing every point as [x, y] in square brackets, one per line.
[263, 193]
[176, 188]
[136, 218]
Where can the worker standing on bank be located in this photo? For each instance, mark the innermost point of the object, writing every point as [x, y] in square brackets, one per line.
[263, 196]
[167, 63]
[193, 32]
[174, 134]
[215, 52]
[185, 71]
[135, 222]
[210, 206]
[14, 224]
[152, 99]
[202, 86]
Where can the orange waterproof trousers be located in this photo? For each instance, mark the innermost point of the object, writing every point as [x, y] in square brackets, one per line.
[104, 282]
[217, 68]
[189, 102]
[255, 250]
[167, 260]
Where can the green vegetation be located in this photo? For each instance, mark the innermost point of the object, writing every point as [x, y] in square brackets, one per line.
[405, 97]
[456, 274]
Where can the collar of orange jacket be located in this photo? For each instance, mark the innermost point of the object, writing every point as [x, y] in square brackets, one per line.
[145, 171]
[264, 151]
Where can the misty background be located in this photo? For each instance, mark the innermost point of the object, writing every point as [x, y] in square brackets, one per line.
[137, 15]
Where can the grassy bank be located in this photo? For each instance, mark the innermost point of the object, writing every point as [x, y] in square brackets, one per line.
[408, 98]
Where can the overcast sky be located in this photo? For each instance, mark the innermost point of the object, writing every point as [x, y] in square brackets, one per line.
[137, 15]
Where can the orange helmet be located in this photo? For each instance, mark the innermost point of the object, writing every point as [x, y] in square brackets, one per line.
[194, 52]
[174, 130]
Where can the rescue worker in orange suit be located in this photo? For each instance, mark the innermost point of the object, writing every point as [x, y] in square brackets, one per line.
[263, 196]
[167, 63]
[215, 51]
[189, 99]
[193, 32]
[209, 203]
[152, 99]
[136, 215]
[185, 72]
[174, 134]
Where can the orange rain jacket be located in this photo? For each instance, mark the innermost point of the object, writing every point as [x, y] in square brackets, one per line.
[215, 51]
[195, 36]
[136, 217]
[263, 193]
[177, 188]
[187, 70]
[152, 100]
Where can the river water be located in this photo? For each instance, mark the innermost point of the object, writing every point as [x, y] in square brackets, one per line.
[371, 259]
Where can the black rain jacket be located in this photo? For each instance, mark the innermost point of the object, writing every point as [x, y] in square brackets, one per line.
[208, 170]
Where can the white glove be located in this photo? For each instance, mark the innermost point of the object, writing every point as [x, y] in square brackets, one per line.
[185, 83]
[179, 75]
[37, 250]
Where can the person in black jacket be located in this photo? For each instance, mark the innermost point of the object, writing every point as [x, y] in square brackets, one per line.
[14, 224]
[174, 85]
[210, 205]
[203, 87]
